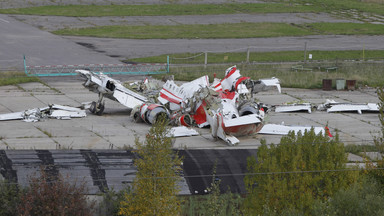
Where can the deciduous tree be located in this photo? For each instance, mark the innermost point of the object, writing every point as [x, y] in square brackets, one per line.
[155, 188]
[293, 174]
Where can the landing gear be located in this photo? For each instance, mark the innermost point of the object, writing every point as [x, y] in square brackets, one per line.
[97, 107]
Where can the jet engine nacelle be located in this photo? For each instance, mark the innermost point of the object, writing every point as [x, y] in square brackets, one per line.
[150, 113]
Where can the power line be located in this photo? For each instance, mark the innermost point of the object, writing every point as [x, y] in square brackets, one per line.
[219, 175]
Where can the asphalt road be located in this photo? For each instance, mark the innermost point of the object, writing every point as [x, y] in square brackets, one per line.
[40, 47]
[131, 48]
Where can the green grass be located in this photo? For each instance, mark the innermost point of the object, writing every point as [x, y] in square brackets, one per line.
[217, 31]
[281, 56]
[293, 6]
[343, 5]
[12, 78]
[365, 74]
[238, 30]
[346, 28]
[161, 9]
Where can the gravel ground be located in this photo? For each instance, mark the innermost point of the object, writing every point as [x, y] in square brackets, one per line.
[51, 23]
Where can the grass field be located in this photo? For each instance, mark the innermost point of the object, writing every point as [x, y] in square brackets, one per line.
[238, 30]
[292, 6]
[11, 78]
[162, 10]
[365, 74]
[232, 30]
[281, 56]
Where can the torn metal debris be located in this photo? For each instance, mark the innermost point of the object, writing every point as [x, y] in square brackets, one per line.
[182, 131]
[226, 105]
[294, 107]
[279, 129]
[333, 106]
[51, 111]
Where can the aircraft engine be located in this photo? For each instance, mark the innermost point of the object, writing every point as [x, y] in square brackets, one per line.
[150, 113]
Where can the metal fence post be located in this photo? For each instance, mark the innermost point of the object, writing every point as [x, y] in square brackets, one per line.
[305, 53]
[247, 55]
[25, 67]
[206, 58]
[167, 64]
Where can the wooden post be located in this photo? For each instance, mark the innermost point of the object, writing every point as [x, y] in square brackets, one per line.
[247, 55]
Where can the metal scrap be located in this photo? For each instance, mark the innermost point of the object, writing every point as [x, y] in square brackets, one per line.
[51, 111]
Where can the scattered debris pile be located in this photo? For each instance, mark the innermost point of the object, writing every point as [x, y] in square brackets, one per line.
[51, 111]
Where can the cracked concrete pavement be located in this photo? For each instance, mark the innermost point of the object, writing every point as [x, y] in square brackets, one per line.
[116, 130]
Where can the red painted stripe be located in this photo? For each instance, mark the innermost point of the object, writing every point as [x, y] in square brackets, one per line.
[240, 80]
[173, 94]
[153, 106]
[230, 73]
[169, 98]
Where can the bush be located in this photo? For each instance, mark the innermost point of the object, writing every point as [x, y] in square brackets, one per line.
[9, 198]
[47, 196]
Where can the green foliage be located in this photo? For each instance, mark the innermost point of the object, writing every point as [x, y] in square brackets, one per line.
[46, 196]
[293, 174]
[9, 198]
[356, 149]
[361, 199]
[378, 174]
[217, 204]
[225, 204]
[111, 202]
[155, 186]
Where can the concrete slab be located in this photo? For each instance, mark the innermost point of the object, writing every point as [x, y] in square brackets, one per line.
[374, 155]
[55, 99]
[115, 129]
[31, 143]
[19, 129]
[92, 142]
[355, 158]
[21, 103]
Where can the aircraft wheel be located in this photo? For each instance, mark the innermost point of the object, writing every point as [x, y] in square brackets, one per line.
[100, 109]
[92, 108]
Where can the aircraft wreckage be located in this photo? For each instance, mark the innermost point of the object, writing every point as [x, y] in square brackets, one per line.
[226, 105]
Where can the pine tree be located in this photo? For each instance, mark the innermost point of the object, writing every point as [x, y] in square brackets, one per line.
[155, 189]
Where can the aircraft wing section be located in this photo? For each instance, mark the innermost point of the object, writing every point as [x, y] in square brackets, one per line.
[272, 82]
[127, 97]
[12, 116]
[277, 129]
[242, 120]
